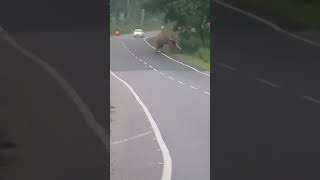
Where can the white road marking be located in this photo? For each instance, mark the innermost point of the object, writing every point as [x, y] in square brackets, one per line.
[268, 23]
[88, 116]
[136, 57]
[311, 99]
[267, 82]
[227, 66]
[167, 167]
[145, 40]
[206, 92]
[170, 77]
[194, 87]
[131, 138]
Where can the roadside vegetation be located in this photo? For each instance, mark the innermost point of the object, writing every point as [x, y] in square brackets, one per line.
[127, 15]
[189, 17]
[304, 12]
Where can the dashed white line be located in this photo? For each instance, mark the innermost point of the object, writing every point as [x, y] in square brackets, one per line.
[267, 82]
[170, 77]
[131, 138]
[193, 87]
[167, 162]
[227, 66]
[311, 99]
[206, 93]
[145, 40]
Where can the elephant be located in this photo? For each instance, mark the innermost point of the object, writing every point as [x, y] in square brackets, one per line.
[167, 37]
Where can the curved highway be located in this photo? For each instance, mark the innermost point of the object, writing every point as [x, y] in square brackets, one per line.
[178, 99]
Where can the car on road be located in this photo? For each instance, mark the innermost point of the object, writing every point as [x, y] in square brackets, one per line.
[138, 33]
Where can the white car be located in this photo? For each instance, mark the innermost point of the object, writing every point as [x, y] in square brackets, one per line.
[138, 33]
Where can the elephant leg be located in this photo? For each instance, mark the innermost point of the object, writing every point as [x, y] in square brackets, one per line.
[158, 49]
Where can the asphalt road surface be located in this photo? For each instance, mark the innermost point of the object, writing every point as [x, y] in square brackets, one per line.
[177, 97]
[53, 138]
[266, 104]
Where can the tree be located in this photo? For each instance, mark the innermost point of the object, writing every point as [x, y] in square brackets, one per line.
[186, 14]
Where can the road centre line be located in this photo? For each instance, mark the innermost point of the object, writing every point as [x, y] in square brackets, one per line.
[145, 40]
[194, 87]
[141, 60]
[170, 77]
[308, 98]
[226, 66]
[261, 80]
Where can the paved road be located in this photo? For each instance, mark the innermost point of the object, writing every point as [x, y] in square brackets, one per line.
[178, 99]
[53, 139]
[266, 101]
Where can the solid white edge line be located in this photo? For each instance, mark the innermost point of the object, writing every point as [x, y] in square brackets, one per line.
[145, 40]
[268, 23]
[167, 162]
[82, 107]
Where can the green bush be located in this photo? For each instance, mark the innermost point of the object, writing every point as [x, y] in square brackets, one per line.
[191, 42]
[203, 53]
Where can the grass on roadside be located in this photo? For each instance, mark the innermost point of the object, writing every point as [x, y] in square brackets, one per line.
[199, 58]
[194, 61]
